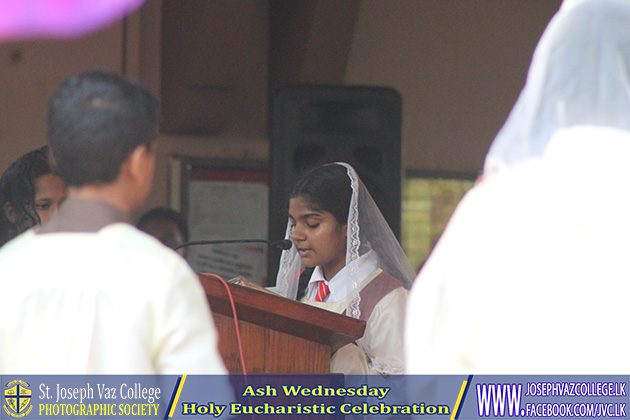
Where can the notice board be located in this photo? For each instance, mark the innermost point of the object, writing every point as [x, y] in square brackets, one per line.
[223, 200]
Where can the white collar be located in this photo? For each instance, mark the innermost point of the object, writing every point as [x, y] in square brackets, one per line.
[340, 284]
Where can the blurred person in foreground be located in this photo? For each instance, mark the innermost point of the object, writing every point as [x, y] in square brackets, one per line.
[531, 274]
[102, 297]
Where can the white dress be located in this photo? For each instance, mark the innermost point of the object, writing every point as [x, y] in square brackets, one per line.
[115, 301]
[531, 275]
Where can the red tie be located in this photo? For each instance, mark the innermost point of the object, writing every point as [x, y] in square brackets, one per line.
[322, 291]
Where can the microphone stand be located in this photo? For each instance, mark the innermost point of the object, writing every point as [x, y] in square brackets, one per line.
[283, 244]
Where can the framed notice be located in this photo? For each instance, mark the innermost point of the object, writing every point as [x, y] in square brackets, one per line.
[223, 200]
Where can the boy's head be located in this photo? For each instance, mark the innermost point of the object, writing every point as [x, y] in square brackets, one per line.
[96, 120]
[167, 225]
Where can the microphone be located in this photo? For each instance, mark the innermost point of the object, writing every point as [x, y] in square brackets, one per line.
[283, 244]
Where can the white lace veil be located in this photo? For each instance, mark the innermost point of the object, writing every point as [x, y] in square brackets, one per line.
[367, 230]
[579, 75]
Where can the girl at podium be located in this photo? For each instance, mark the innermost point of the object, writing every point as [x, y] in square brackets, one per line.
[345, 258]
[30, 194]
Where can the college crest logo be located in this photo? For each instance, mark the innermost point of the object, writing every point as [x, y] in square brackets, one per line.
[17, 396]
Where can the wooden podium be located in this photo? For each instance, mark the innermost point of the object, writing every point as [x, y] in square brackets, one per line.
[279, 335]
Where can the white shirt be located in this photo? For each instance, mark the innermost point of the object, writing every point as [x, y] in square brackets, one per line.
[380, 350]
[115, 301]
[340, 285]
[531, 275]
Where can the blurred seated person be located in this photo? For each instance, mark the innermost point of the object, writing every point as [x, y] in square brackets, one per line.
[167, 225]
[30, 193]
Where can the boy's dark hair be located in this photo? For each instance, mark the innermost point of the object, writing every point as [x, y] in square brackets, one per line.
[95, 120]
[161, 213]
[326, 188]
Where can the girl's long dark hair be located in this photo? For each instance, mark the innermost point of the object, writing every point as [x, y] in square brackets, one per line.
[17, 187]
[326, 188]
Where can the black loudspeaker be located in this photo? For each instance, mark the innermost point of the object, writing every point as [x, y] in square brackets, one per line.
[314, 125]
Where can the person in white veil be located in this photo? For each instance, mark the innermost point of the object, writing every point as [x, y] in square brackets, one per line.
[340, 235]
[531, 273]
